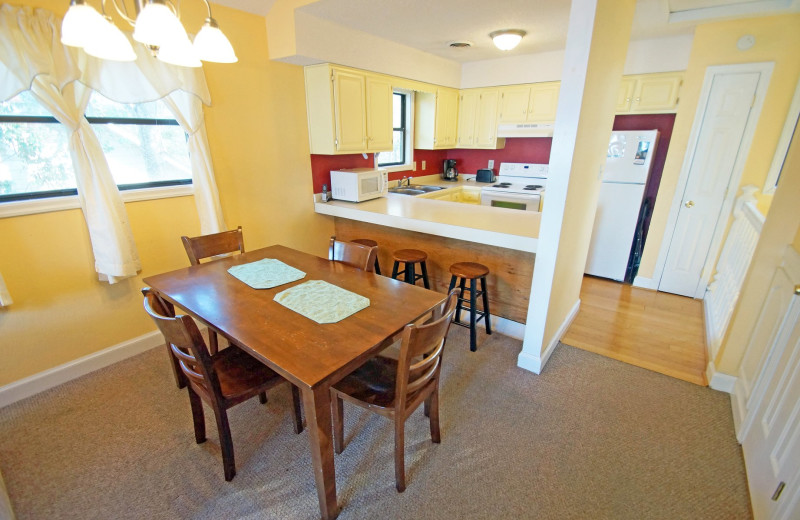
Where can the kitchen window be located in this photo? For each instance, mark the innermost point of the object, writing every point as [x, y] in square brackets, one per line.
[143, 143]
[401, 155]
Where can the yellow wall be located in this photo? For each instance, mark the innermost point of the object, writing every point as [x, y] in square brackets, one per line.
[777, 40]
[258, 137]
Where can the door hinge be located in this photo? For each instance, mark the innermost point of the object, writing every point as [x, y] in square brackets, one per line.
[776, 495]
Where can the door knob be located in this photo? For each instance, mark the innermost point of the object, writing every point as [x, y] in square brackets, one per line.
[689, 203]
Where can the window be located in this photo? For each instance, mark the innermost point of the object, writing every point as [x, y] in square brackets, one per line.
[143, 144]
[400, 156]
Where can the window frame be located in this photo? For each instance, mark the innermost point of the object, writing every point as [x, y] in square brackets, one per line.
[18, 204]
[408, 121]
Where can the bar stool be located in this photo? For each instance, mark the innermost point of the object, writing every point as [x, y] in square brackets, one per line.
[471, 271]
[369, 243]
[411, 257]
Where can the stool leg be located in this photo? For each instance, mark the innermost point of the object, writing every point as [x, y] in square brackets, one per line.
[425, 274]
[486, 320]
[453, 279]
[472, 345]
[377, 266]
[394, 270]
[410, 274]
[460, 304]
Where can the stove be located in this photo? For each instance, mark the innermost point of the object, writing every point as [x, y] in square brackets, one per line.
[518, 186]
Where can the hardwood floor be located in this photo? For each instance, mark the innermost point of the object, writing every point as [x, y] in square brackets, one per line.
[653, 330]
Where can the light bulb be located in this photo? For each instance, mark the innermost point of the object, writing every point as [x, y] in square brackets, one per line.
[109, 43]
[157, 25]
[507, 39]
[212, 45]
[179, 52]
[80, 23]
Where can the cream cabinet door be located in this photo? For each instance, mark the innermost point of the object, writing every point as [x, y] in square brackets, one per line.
[514, 104]
[467, 112]
[656, 92]
[349, 104]
[379, 114]
[486, 119]
[625, 94]
[543, 102]
[446, 118]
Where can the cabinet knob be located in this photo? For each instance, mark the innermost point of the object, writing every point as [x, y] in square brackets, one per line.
[638, 99]
[628, 99]
[689, 203]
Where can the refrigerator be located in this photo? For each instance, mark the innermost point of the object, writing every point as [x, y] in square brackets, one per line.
[628, 164]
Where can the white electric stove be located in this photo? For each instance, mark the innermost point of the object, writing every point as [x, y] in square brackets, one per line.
[518, 186]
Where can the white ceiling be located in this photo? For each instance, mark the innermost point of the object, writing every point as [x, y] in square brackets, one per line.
[430, 25]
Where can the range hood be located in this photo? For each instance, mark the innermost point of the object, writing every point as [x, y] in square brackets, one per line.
[525, 130]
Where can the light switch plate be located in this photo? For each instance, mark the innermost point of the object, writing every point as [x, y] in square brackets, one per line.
[423, 165]
[491, 164]
[414, 166]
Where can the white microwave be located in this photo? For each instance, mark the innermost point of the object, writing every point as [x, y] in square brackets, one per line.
[359, 184]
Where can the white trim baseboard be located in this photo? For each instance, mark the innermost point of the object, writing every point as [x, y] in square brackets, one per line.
[535, 364]
[719, 381]
[506, 327]
[712, 341]
[74, 369]
[645, 283]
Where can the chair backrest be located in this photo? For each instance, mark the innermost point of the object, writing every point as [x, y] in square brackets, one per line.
[187, 344]
[355, 255]
[421, 351]
[206, 246]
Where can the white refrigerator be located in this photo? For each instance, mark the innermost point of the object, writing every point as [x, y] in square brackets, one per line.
[630, 157]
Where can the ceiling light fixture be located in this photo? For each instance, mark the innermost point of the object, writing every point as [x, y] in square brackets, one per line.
[156, 25]
[507, 39]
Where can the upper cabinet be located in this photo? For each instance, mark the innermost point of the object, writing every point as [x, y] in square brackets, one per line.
[536, 103]
[477, 119]
[348, 111]
[436, 119]
[649, 93]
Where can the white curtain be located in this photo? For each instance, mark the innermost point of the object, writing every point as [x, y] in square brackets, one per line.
[5, 298]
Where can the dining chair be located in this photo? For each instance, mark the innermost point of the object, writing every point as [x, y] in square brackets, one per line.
[353, 254]
[395, 388]
[222, 380]
[208, 246]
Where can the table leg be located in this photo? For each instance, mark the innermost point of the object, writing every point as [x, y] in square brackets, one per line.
[317, 402]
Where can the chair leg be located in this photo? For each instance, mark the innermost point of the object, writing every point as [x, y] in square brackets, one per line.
[262, 398]
[486, 315]
[338, 422]
[226, 444]
[377, 266]
[425, 274]
[298, 416]
[394, 269]
[213, 343]
[460, 303]
[436, 435]
[453, 279]
[472, 334]
[197, 416]
[399, 452]
[426, 407]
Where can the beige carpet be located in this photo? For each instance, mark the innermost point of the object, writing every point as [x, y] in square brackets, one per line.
[588, 438]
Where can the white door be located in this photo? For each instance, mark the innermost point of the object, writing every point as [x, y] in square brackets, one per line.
[719, 151]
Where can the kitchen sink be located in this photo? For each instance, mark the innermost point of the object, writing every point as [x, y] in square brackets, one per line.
[406, 191]
[427, 189]
[415, 189]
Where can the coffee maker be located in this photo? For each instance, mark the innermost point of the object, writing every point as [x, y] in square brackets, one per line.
[449, 172]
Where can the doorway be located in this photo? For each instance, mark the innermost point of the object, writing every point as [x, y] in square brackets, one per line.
[727, 114]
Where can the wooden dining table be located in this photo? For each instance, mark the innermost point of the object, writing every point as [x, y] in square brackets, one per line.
[311, 356]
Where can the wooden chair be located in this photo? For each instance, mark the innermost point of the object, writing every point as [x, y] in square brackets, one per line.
[223, 380]
[207, 246]
[395, 388]
[353, 254]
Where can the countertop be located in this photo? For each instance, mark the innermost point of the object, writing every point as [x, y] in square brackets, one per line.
[509, 228]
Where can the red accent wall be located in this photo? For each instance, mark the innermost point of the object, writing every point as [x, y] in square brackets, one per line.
[530, 150]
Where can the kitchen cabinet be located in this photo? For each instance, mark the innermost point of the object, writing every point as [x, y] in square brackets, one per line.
[463, 194]
[535, 103]
[477, 119]
[348, 111]
[436, 119]
[649, 93]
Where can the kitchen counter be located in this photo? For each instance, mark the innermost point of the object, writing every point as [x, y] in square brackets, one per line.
[508, 228]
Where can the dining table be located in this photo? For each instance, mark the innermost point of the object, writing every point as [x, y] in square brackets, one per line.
[312, 356]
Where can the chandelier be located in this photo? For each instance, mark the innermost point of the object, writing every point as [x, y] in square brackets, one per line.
[156, 25]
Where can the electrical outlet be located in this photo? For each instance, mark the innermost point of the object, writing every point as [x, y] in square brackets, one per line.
[423, 165]
[414, 166]
[491, 164]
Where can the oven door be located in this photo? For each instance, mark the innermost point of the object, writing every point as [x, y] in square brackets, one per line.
[510, 200]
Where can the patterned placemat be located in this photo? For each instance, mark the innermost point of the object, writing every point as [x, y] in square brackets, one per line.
[266, 273]
[322, 302]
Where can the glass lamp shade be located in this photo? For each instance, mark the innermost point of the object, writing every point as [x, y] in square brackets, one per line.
[157, 25]
[80, 24]
[508, 39]
[179, 52]
[109, 43]
[212, 45]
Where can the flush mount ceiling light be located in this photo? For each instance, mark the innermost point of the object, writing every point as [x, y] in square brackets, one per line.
[507, 39]
[156, 25]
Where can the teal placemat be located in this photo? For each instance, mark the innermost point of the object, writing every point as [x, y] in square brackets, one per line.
[322, 302]
[266, 273]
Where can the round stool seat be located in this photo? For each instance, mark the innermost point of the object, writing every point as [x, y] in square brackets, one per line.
[365, 242]
[469, 270]
[410, 255]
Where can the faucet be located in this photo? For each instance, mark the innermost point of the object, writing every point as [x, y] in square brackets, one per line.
[405, 179]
